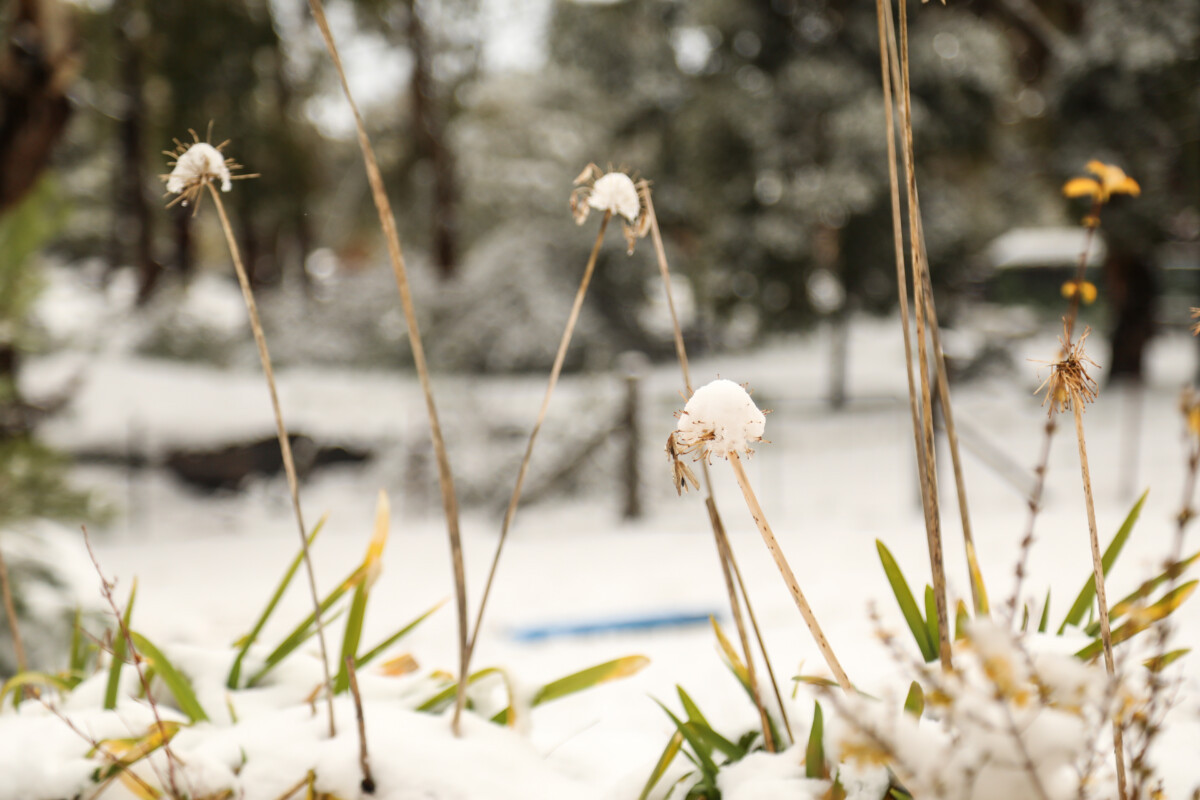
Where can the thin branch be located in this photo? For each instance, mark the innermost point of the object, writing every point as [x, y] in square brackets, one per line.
[285, 445]
[106, 590]
[387, 222]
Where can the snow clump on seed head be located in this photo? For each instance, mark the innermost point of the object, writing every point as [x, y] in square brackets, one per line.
[720, 419]
[197, 165]
[616, 192]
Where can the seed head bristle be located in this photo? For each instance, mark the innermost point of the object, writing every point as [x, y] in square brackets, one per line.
[1069, 381]
[195, 166]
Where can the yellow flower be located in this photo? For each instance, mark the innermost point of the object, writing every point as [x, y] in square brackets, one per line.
[1109, 180]
[1085, 289]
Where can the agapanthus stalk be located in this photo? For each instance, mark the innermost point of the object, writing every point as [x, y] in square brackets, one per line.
[720, 420]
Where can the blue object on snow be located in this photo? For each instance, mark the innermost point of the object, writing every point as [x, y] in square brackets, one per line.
[670, 619]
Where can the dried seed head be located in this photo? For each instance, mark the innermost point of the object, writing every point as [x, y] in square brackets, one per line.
[197, 165]
[616, 193]
[1069, 381]
[719, 419]
[1195, 325]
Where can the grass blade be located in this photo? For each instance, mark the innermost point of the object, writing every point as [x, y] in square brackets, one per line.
[248, 640]
[731, 655]
[931, 617]
[78, 658]
[592, 676]
[180, 686]
[358, 606]
[1044, 622]
[29, 678]
[1088, 593]
[701, 750]
[1159, 663]
[118, 655]
[371, 654]
[1134, 598]
[1142, 619]
[306, 629]
[664, 762]
[908, 605]
[914, 703]
[705, 731]
[814, 754]
[442, 700]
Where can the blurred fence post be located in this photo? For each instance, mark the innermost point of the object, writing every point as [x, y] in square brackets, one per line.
[632, 365]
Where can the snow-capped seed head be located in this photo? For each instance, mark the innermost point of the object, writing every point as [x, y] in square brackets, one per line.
[616, 192]
[199, 163]
[719, 419]
[197, 166]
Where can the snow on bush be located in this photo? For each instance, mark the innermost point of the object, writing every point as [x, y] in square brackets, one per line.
[1007, 721]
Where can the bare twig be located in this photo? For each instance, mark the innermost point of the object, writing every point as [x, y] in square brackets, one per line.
[364, 763]
[285, 445]
[98, 747]
[387, 222]
[106, 590]
[724, 550]
[785, 569]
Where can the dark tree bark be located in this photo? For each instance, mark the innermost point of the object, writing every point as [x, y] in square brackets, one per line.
[431, 144]
[134, 222]
[37, 64]
[1132, 292]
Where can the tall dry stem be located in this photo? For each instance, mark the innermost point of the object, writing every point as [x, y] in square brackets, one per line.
[785, 569]
[926, 455]
[890, 75]
[285, 445]
[523, 470]
[387, 222]
[724, 551]
[1101, 597]
[1043, 462]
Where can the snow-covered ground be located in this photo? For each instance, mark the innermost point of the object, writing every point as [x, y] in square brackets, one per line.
[830, 484]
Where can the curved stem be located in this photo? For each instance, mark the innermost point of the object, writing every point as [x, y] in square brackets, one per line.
[515, 499]
[387, 222]
[285, 445]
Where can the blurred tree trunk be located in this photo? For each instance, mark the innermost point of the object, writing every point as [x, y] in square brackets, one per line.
[134, 223]
[37, 64]
[1132, 291]
[431, 144]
